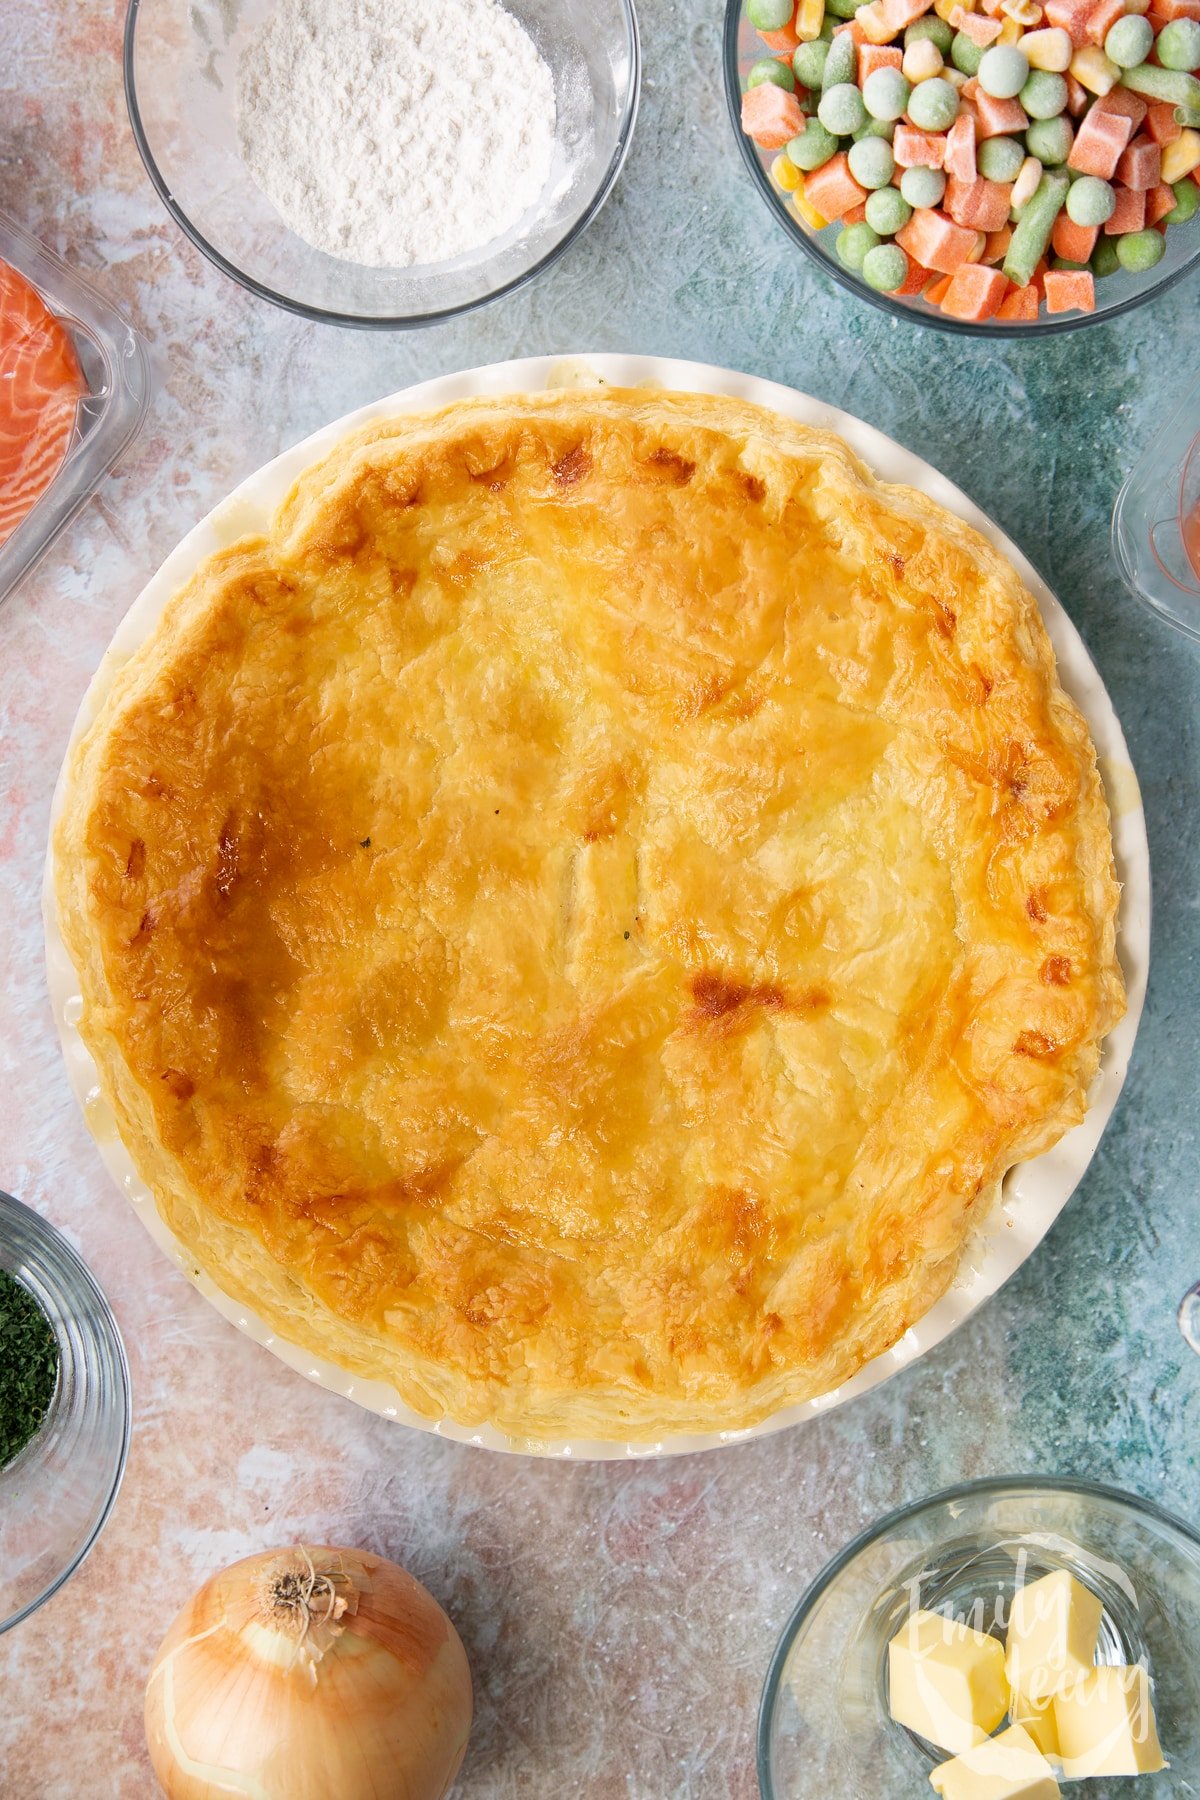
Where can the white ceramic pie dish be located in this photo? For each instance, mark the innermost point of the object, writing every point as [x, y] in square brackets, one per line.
[1034, 1192]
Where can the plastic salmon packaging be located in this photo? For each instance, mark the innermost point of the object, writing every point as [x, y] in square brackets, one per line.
[74, 390]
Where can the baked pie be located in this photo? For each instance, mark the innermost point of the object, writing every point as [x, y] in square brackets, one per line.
[577, 921]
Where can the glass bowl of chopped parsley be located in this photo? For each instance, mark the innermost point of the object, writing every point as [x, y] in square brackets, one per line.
[64, 1410]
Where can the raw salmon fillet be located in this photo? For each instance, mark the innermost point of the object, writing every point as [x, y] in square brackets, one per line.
[40, 386]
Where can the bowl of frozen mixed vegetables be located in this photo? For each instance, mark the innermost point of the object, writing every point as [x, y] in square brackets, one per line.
[979, 165]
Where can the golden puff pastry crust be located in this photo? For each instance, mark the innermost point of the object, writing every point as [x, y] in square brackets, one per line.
[577, 921]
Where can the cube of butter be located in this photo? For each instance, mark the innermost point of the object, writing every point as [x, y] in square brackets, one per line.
[1038, 1721]
[1007, 1767]
[1106, 1724]
[1052, 1632]
[946, 1681]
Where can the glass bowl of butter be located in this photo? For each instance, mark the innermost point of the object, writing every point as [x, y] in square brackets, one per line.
[997, 1640]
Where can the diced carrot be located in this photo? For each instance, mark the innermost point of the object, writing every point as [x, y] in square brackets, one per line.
[1129, 214]
[901, 13]
[1072, 16]
[959, 159]
[975, 292]
[832, 189]
[856, 215]
[1078, 98]
[856, 32]
[916, 281]
[935, 241]
[1125, 104]
[1019, 303]
[1140, 166]
[981, 205]
[1103, 15]
[877, 56]
[1162, 125]
[1159, 202]
[936, 292]
[980, 31]
[918, 149]
[786, 39]
[997, 118]
[1100, 143]
[1037, 280]
[771, 116]
[1070, 290]
[871, 23]
[1074, 243]
[807, 212]
[1179, 9]
[996, 248]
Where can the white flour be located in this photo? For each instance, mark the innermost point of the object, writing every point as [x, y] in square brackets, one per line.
[393, 132]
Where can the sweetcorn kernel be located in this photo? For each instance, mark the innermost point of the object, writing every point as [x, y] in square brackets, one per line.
[874, 26]
[922, 61]
[808, 211]
[810, 16]
[1050, 49]
[785, 174]
[1095, 71]
[1181, 157]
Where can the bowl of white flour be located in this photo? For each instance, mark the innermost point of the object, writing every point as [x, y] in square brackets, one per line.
[382, 163]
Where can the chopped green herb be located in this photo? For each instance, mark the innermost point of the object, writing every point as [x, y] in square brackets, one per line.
[28, 1366]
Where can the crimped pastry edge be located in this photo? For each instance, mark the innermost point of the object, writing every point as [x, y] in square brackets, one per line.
[421, 1389]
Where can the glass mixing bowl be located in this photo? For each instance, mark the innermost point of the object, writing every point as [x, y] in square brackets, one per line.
[180, 84]
[1114, 294]
[58, 1491]
[824, 1728]
[1156, 521]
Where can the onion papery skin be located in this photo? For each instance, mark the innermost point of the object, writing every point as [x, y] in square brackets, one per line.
[382, 1713]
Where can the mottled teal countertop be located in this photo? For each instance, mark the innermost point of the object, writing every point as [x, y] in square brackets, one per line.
[619, 1618]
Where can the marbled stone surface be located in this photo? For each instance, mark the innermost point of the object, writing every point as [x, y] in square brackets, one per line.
[619, 1618]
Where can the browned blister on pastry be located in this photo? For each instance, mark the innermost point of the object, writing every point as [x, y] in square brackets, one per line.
[578, 921]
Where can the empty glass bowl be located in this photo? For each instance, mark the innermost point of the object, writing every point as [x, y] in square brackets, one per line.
[58, 1491]
[1156, 522]
[180, 84]
[825, 1728]
[1114, 294]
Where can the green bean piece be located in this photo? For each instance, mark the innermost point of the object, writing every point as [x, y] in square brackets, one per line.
[1173, 86]
[1033, 229]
